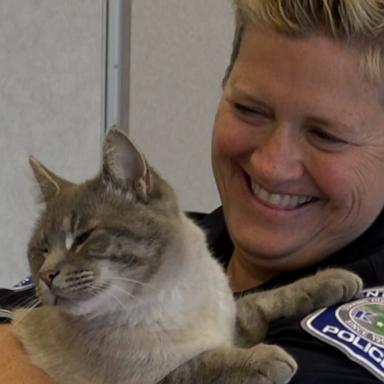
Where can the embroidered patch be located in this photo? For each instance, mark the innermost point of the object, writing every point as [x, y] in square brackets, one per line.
[356, 328]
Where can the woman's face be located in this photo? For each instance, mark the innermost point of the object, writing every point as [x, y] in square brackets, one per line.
[298, 149]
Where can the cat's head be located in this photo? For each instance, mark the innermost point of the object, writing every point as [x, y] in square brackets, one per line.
[98, 244]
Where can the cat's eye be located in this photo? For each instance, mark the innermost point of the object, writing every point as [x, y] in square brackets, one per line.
[42, 249]
[82, 237]
[42, 246]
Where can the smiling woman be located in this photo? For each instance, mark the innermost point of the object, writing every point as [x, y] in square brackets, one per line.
[298, 158]
[297, 144]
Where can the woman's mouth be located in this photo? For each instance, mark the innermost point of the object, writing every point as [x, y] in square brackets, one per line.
[277, 200]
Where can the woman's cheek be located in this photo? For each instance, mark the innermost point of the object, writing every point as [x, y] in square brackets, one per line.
[337, 176]
[230, 137]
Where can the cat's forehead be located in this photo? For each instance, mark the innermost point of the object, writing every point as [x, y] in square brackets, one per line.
[77, 209]
[55, 222]
[66, 224]
[75, 214]
[70, 223]
[65, 215]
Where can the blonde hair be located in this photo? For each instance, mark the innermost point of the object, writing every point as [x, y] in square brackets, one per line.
[355, 22]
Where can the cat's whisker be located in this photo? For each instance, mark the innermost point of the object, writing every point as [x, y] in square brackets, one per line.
[115, 298]
[21, 302]
[9, 293]
[31, 306]
[26, 301]
[95, 289]
[98, 288]
[28, 309]
[124, 291]
[94, 293]
[6, 295]
[133, 281]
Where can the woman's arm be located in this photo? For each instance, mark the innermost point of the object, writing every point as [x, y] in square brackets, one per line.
[15, 366]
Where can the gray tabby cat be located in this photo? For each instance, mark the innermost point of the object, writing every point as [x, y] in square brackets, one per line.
[131, 294]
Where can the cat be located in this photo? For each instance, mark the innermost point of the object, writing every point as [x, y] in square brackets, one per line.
[130, 293]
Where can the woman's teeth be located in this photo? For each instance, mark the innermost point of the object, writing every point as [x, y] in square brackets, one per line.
[278, 200]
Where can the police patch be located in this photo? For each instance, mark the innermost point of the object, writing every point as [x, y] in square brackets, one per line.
[356, 328]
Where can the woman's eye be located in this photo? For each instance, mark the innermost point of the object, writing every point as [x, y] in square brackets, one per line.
[327, 141]
[246, 110]
[327, 137]
[253, 115]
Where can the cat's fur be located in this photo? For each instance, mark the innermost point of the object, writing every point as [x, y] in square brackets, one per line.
[131, 294]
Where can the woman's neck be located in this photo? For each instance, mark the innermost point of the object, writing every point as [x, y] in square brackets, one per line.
[244, 275]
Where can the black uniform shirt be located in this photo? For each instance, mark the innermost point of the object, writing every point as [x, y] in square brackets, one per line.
[319, 363]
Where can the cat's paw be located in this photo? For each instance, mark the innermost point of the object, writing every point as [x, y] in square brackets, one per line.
[334, 285]
[269, 364]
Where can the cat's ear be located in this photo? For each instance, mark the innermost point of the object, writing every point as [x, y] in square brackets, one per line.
[124, 166]
[49, 183]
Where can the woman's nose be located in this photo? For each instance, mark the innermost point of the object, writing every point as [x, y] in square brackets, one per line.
[278, 157]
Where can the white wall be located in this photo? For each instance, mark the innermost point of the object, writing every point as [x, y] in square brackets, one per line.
[51, 100]
[179, 51]
[50, 106]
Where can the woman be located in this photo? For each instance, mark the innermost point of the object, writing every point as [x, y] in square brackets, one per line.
[298, 157]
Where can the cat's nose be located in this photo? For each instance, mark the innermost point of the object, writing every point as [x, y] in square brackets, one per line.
[48, 276]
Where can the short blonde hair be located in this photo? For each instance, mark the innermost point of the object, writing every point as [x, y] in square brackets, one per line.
[355, 22]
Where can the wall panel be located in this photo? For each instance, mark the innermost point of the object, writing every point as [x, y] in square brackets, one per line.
[179, 51]
[51, 70]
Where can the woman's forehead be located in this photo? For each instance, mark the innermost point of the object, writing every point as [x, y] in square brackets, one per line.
[312, 74]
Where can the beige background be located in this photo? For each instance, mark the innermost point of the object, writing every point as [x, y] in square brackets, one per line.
[179, 51]
[50, 106]
[51, 99]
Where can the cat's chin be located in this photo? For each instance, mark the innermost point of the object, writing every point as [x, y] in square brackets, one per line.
[90, 308]
[78, 309]
[47, 297]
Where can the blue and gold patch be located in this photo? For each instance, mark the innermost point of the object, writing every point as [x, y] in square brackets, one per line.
[356, 328]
